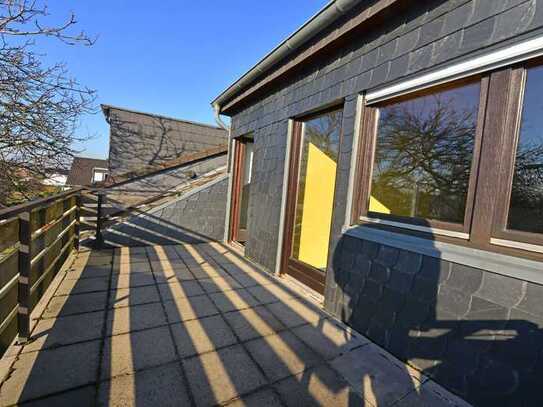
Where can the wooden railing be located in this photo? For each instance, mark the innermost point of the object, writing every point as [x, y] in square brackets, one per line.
[35, 240]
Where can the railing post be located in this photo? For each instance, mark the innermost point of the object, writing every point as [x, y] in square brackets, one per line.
[78, 201]
[23, 294]
[99, 241]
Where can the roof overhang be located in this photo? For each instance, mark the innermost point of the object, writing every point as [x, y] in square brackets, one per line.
[253, 79]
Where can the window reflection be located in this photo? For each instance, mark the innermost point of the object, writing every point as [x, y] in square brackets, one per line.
[423, 155]
[526, 206]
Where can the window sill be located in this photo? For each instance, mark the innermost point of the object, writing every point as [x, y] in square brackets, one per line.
[515, 267]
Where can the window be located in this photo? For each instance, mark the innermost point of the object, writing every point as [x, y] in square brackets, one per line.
[315, 191]
[99, 175]
[423, 155]
[460, 162]
[526, 201]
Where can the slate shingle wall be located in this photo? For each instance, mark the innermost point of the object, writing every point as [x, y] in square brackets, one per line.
[198, 217]
[138, 140]
[478, 333]
[405, 289]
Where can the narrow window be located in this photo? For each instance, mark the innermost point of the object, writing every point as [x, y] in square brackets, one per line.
[526, 202]
[424, 150]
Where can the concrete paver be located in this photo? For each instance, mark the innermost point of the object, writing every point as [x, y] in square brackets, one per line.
[162, 386]
[52, 333]
[126, 319]
[295, 356]
[124, 297]
[197, 325]
[222, 375]
[75, 304]
[202, 335]
[127, 353]
[37, 374]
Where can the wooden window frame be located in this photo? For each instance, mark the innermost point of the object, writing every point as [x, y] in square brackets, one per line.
[367, 159]
[237, 179]
[497, 133]
[500, 230]
[303, 272]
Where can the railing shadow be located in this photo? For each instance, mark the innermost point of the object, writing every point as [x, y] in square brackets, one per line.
[185, 325]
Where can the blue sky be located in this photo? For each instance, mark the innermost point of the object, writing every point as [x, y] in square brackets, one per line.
[168, 57]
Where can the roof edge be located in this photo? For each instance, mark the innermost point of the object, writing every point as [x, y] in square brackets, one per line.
[321, 20]
[106, 108]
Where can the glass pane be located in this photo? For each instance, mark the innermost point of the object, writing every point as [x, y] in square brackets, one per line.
[316, 183]
[423, 155]
[246, 184]
[526, 206]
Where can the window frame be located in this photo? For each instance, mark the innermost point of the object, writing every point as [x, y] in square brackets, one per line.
[497, 133]
[501, 234]
[369, 128]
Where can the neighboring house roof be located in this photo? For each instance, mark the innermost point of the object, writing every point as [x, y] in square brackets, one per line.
[82, 168]
[329, 26]
[141, 140]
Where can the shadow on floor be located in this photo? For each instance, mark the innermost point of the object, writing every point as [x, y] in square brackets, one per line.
[197, 325]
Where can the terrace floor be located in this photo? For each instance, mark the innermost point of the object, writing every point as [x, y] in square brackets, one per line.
[196, 325]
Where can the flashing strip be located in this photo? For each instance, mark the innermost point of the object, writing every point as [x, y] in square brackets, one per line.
[495, 59]
[427, 229]
[517, 245]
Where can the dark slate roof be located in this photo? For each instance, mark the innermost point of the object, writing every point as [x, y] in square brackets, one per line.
[141, 140]
[81, 171]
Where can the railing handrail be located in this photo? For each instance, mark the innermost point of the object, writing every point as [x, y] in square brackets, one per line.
[13, 211]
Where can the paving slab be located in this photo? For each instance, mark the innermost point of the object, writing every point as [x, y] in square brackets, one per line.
[80, 397]
[38, 374]
[207, 270]
[219, 284]
[52, 333]
[328, 339]
[74, 304]
[282, 355]
[180, 289]
[253, 323]
[134, 318]
[272, 293]
[166, 265]
[262, 398]
[88, 272]
[220, 376]
[251, 279]
[141, 266]
[184, 309]
[202, 335]
[292, 313]
[135, 351]
[320, 386]
[162, 386]
[373, 373]
[132, 280]
[233, 300]
[86, 285]
[124, 297]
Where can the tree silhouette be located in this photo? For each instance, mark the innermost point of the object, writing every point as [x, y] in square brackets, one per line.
[424, 154]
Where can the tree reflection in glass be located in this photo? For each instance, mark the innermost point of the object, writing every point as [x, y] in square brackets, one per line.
[526, 205]
[423, 156]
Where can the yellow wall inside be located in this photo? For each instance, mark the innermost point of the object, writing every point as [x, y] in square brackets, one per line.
[317, 208]
[376, 206]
